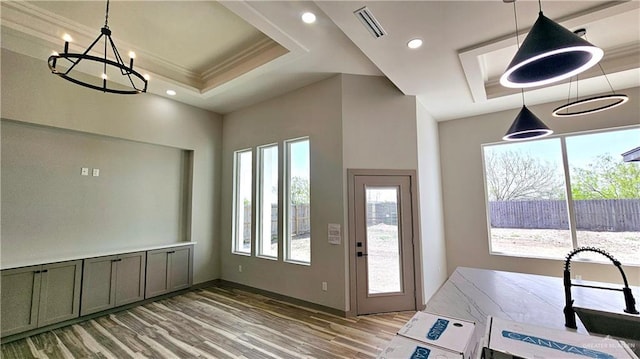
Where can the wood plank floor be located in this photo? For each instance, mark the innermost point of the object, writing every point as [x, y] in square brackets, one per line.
[216, 322]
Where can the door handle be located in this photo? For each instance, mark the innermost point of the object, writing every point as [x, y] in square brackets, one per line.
[360, 254]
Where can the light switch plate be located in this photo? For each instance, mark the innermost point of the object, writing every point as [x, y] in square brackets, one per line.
[96, 172]
[84, 171]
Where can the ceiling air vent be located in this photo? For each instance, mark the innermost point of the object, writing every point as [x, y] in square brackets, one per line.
[369, 21]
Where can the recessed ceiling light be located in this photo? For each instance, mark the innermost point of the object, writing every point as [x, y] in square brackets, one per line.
[414, 44]
[309, 17]
[171, 93]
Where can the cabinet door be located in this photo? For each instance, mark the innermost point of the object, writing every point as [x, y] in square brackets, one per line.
[180, 268]
[59, 292]
[157, 279]
[98, 281]
[20, 296]
[130, 278]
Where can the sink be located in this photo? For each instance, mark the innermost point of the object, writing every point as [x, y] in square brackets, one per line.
[618, 325]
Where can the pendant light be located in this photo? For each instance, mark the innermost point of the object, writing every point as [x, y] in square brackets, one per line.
[548, 54]
[592, 104]
[136, 83]
[527, 125]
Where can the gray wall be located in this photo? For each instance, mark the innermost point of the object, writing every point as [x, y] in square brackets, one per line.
[313, 111]
[30, 94]
[465, 215]
[434, 259]
[353, 122]
[379, 131]
[140, 194]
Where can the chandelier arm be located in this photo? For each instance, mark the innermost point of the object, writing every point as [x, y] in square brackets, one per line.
[117, 56]
[83, 54]
[104, 66]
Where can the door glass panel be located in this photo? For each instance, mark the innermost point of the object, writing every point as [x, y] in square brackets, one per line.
[383, 240]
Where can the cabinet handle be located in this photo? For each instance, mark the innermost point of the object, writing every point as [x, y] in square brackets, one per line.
[171, 252]
[117, 260]
[37, 271]
[45, 271]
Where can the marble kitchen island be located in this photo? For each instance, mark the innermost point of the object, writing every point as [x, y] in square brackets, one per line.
[473, 294]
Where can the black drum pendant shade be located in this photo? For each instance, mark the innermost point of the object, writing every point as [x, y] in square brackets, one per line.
[548, 54]
[526, 126]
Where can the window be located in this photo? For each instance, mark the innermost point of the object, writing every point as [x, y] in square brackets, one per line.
[298, 231]
[242, 202]
[547, 197]
[268, 201]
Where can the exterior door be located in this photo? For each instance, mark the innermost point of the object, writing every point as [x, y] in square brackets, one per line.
[384, 258]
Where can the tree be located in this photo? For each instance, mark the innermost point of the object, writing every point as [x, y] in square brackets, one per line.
[299, 190]
[606, 178]
[514, 175]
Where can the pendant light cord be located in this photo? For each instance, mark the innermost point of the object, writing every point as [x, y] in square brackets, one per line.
[603, 73]
[515, 17]
[540, 6]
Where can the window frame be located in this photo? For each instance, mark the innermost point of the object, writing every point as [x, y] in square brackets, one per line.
[259, 199]
[565, 165]
[237, 228]
[286, 196]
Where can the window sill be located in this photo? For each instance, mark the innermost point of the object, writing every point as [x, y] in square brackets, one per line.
[561, 259]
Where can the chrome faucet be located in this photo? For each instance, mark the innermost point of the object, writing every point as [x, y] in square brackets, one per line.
[569, 313]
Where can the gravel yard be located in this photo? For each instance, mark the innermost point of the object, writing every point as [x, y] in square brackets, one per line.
[624, 246]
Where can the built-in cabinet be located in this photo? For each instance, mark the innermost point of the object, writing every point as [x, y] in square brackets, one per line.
[37, 296]
[40, 295]
[112, 281]
[168, 270]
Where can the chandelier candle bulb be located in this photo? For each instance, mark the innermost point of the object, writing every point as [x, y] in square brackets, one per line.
[67, 38]
[132, 55]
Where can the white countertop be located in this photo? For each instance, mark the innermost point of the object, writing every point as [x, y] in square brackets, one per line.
[37, 259]
[473, 294]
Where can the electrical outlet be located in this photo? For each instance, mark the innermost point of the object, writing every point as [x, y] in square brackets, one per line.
[96, 172]
[84, 171]
[240, 268]
[324, 286]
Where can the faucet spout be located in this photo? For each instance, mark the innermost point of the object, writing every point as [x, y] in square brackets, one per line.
[629, 301]
[569, 312]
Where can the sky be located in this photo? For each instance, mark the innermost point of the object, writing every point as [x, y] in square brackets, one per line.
[300, 166]
[582, 149]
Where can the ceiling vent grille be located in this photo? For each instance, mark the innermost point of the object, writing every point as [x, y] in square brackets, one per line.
[369, 21]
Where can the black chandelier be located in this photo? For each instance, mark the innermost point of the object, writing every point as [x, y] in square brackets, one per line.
[592, 104]
[136, 83]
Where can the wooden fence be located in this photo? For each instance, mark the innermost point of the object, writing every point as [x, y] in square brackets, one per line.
[300, 221]
[610, 215]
